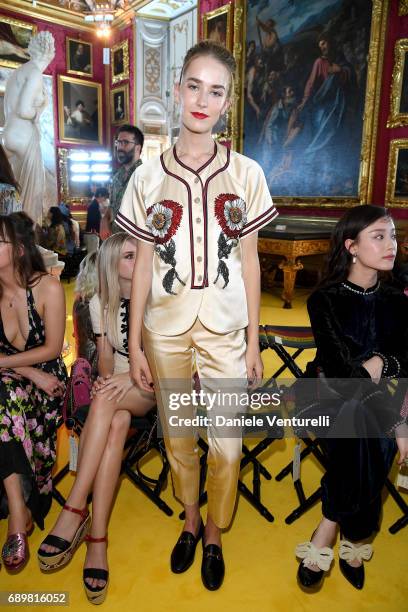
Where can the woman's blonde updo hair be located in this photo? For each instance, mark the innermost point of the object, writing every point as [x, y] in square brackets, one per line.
[215, 50]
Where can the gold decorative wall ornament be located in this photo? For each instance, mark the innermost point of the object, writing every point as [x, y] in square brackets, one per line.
[399, 88]
[120, 62]
[238, 53]
[152, 71]
[403, 7]
[396, 194]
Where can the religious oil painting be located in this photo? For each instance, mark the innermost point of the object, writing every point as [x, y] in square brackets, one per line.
[305, 90]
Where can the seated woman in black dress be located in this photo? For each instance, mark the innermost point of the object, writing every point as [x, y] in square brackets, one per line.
[32, 382]
[360, 326]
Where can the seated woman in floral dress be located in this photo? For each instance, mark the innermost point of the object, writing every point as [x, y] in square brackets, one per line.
[32, 383]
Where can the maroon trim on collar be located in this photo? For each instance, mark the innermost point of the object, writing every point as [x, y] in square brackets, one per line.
[190, 216]
[196, 172]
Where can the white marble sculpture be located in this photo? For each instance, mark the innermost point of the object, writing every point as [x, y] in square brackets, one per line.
[24, 101]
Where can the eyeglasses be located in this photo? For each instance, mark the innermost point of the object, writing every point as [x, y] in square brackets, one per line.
[124, 143]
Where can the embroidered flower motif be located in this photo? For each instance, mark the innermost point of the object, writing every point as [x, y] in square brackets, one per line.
[163, 220]
[231, 214]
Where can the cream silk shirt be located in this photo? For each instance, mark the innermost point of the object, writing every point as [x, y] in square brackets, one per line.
[196, 220]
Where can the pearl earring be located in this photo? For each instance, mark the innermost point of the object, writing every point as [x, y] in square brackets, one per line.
[354, 259]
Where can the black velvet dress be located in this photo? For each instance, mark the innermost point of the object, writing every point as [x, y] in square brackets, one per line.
[351, 324]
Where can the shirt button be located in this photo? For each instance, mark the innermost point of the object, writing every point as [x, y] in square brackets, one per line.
[199, 239]
[199, 278]
[198, 220]
[199, 258]
[196, 180]
[197, 200]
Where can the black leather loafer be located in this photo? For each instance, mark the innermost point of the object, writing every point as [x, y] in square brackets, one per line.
[355, 575]
[183, 553]
[212, 567]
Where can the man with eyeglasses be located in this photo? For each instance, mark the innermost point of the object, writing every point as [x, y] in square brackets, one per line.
[128, 147]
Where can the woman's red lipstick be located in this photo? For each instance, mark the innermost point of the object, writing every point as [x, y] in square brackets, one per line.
[199, 115]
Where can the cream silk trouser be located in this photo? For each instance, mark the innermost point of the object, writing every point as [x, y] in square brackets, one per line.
[218, 357]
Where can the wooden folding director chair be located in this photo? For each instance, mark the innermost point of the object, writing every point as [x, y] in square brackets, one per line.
[279, 339]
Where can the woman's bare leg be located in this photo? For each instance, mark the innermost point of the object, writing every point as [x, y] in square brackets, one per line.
[104, 490]
[99, 422]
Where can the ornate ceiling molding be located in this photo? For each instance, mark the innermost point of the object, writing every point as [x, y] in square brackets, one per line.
[53, 12]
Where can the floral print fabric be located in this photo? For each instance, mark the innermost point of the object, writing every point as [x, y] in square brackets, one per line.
[28, 422]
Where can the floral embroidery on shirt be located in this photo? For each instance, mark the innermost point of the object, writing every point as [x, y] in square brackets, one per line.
[163, 220]
[230, 212]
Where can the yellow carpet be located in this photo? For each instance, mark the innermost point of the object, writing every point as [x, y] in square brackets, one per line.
[260, 564]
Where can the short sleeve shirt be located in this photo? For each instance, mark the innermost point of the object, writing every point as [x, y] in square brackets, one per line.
[196, 220]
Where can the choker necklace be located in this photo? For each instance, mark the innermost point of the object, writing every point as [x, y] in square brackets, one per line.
[364, 292]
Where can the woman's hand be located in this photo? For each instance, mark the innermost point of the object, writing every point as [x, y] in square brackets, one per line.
[98, 384]
[374, 367]
[116, 386]
[140, 371]
[49, 383]
[401, 437]
[254, 366]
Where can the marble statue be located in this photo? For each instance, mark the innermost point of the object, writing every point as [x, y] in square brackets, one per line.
[24, 101]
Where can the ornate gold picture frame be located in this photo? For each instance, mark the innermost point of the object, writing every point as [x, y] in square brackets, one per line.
[120, 62]
[79, 111]
[396, 194]
[79, 57]
[17, 34]
[119, 107]
[229, 129]
[217, 26]
[399, 88]
[307, 166]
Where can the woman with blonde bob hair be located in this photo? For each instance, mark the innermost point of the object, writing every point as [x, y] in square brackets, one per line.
[115, 399]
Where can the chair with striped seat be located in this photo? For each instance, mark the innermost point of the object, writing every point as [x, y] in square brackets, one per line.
[281, 337]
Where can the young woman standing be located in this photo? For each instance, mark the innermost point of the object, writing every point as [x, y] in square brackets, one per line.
[196, 212]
